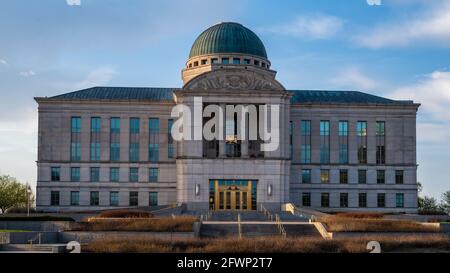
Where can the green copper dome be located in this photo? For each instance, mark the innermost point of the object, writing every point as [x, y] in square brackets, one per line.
[228, 38]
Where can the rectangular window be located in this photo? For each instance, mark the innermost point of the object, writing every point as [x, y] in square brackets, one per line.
[381, 200]
[381, 177]
[134, 175]
[153, 199]
[246, 61]
[306, 176]
[306, 199]
[114, 174]
[380, 139]
[343, 176]
[55, 173]
[153, 147]
[362, 177]
[399, 200]
[325, 200]
[134, 139]
[324, 142]
[343, 142]
[75, 143]
[134, 152]
[154, 126]
[204, 61]
[362, 200]
[74, 198]
[153, 152]
[76, 125]
[361, 133]
[75, 174]
[305, 132]
[134, 195]
[114, 198]
[96, 125]
[54, 198]
[399, 177]
[95, 151]
[134, 126]
[95, 198]
[225, 60]
[236, 61]
[75, 151]
[153, 175]
[325, 176]
[170, 144]
[95, 174]
[343, 200]
[95, 138]
[115, 139]
[214, 61]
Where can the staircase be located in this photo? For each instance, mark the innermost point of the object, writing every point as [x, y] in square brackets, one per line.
[27, 248]
[254, 224]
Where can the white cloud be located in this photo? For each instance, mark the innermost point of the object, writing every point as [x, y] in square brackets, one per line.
[18, 146]
[316, 26]
[73, 2]
[433, 132]
[4, 62]
[373, 2]
[433, 92]
[98, 76]
[353, 78]
[27, 74]
[431, 26]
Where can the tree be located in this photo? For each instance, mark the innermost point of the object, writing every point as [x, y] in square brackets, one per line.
[13, 193]
[419, 187]
[445, 203]
[419, 198]
[429, 204]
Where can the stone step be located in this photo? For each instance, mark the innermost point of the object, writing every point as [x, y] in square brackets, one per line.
[27, 248]
[301, 230]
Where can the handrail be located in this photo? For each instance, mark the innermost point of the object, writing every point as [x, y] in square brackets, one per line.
[312, 215]
[239, 226]
[280, 226]
[205, 216]
[37, 237]
[267, 213]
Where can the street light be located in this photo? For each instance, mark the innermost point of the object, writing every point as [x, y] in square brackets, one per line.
[28, 192]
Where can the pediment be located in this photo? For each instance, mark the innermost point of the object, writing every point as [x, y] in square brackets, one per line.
[233, 80]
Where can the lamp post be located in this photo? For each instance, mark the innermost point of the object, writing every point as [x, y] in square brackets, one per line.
[28, 199]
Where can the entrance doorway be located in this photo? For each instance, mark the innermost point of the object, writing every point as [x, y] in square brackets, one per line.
[232, 195]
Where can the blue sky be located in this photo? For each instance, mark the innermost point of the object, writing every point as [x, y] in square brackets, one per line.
[399, 49]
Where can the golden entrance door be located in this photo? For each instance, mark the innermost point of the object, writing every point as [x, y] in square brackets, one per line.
[232, 197]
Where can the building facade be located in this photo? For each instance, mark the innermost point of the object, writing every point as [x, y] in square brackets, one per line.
[106, 147]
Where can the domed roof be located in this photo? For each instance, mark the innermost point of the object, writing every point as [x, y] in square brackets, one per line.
[228, 38]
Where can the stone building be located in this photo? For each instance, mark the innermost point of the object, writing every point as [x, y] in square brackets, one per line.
[106, 147]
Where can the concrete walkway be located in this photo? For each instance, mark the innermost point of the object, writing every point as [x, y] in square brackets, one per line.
[252, 223]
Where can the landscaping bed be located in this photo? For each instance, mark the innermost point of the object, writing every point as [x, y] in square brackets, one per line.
[337, 223]
[167, 224]
[268, 245]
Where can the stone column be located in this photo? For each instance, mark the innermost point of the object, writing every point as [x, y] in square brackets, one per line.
[244, 142]
[222, 152]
